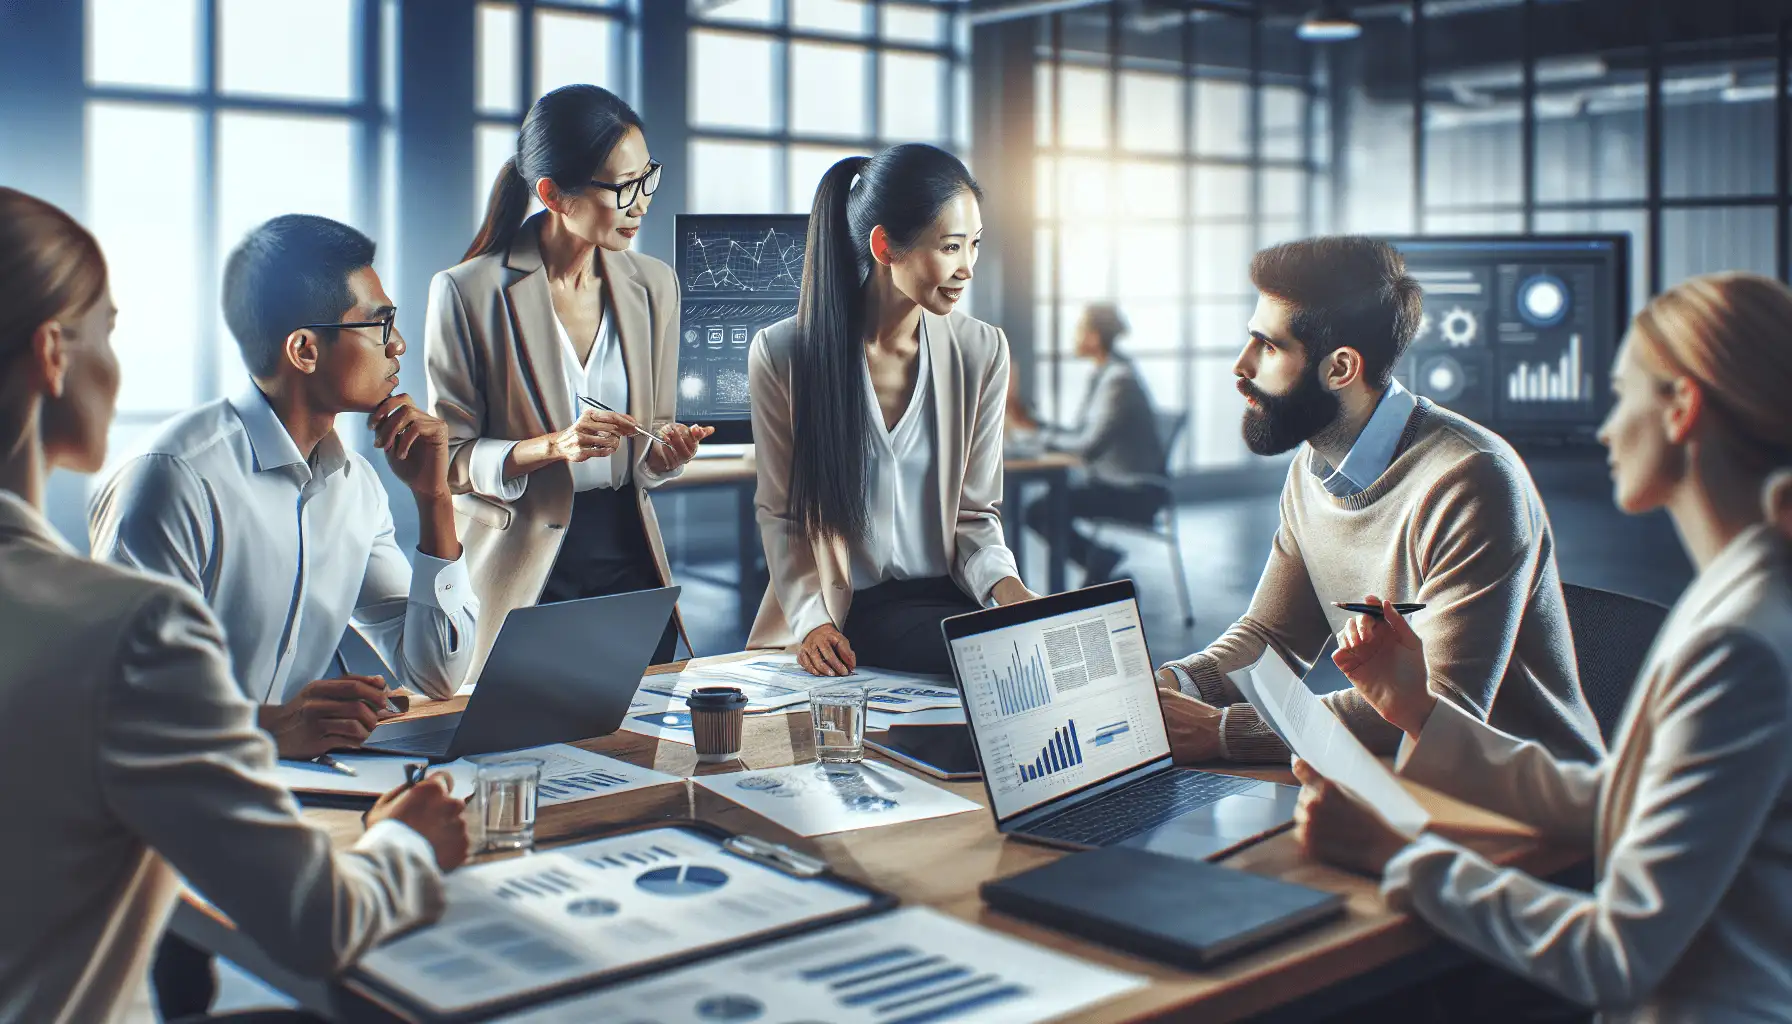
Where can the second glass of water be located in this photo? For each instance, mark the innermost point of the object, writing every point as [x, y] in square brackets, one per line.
[839, 713]
[506, 790]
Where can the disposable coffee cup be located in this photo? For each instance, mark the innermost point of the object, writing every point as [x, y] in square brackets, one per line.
[718, 714]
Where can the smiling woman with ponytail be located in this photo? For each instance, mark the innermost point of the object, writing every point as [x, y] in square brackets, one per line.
[546, 312]
[877, 417]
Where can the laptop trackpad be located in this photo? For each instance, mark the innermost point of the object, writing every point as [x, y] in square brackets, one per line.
[1223, 824]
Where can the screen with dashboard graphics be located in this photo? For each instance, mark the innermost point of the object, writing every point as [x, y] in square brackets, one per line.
[737, 274]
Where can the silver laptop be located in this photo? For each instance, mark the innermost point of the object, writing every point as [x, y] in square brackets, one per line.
[1062, 703]
[558, 673]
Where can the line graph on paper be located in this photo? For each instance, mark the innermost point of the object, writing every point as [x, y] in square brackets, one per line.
[736, 261]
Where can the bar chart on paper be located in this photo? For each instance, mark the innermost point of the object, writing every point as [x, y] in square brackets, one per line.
[1023, 684]
[1061, 752]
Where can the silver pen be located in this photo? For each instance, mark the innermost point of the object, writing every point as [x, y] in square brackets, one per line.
[595, 404]
[334, 765]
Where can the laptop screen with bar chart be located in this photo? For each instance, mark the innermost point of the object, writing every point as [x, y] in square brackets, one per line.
[1060, 701]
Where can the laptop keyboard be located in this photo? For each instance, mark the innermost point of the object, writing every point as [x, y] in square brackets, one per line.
[1143, 806]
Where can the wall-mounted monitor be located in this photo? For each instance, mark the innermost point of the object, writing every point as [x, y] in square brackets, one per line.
[737, 274]
[1519, 331]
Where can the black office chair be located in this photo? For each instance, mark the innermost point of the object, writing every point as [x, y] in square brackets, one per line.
[1163, 525]
[1612, 635]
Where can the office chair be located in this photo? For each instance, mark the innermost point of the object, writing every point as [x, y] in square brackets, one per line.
[1163, 528]
[1612, 635]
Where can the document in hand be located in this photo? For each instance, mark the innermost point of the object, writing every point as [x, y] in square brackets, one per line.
[1313, 732]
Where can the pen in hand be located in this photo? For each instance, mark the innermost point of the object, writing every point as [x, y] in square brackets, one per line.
[595, 404]
[1374, 611]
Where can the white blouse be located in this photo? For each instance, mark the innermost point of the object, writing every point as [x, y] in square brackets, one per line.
[902, 490]
[600, 376]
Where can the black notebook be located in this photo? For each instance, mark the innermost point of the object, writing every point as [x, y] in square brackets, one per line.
[1185, 912]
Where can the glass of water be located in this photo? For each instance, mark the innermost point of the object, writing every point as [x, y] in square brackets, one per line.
[839, 713]
[506, 790]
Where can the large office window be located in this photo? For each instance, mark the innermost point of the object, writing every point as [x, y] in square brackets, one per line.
[524, 49]
[1168, 153]
[781, 89]
[195, 133]
[1673, 142]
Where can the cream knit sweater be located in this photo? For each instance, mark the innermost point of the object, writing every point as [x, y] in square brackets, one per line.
[1456, 523]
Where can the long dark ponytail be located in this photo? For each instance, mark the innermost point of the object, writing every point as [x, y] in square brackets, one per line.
[568, 134]
[904, 188]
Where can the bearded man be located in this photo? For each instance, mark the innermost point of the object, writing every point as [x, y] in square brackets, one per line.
[1391, 495]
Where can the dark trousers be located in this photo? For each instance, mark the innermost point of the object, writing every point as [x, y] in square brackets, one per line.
[896, 625]
[606, 552]
[185, 979]
[1130, 503]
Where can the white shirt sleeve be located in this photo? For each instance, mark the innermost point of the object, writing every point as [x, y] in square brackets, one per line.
[486, 470]
[421, 619]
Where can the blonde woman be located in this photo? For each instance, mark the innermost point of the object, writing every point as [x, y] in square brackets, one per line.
[1690, 814]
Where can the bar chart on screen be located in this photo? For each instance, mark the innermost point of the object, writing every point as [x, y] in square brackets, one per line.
[1060, 752]
[1023, 684]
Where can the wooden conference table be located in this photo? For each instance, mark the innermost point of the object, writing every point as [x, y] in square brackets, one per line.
[739, 475]
[941, 862]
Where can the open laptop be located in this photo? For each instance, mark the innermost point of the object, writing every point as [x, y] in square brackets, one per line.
[557, 673]
[1062, 702]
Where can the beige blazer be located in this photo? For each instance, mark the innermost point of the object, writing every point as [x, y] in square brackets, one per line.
[1689, 818]
[970, 388]
[494, 374]
[131, 760]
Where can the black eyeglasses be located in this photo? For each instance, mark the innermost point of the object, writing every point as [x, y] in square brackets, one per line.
[383, 323]
[627, 192]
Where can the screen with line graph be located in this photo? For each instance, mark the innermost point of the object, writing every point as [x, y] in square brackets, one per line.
[1060, 703]
[737, 274]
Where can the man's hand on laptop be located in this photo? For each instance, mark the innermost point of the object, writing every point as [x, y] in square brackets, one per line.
[1194, 727]
[430, 810]
[326, 714]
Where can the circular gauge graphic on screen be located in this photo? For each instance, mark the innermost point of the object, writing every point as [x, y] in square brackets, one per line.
[1543, 300]
[1441, 378]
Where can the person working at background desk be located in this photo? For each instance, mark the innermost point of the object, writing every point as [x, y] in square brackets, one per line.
[1389, 494]
[131, 757]
[1690, 816]
[543, 314]
[1117, 440]
[256, 503]
[877, 418]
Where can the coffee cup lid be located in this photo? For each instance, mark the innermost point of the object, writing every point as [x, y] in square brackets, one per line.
[716, 698]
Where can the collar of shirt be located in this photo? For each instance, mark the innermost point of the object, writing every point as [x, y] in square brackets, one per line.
[273, 445]
[1375, 447]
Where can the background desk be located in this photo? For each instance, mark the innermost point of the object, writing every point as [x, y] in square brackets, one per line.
[738, 474]
[941, 862]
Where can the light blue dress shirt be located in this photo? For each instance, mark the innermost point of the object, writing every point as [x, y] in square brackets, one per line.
[287, 553]
[1375, 447]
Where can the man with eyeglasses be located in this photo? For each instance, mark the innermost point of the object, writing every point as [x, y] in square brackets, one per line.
[255, 501]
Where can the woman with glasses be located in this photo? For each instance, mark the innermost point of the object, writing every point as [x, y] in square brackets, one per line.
[553, 358]
[877, 415]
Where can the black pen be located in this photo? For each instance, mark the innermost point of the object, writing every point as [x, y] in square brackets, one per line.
[1374, 611]
[334, 765]
[595, 404]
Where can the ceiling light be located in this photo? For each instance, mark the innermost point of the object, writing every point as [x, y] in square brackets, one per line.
[1329, 24]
